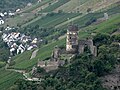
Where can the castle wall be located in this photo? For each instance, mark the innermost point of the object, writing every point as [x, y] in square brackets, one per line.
[72, 39]
[50, 65]
[89, 43]
[81, 49]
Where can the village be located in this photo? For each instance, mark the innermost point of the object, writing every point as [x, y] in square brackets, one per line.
[18, 42]
[11, 13]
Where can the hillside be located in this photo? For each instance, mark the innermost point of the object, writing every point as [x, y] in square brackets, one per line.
[45, 51]
[46, 6]
[82, 5]
[13, 5]
[48, 21]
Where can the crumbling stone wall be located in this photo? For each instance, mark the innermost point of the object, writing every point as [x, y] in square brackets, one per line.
[89, 43]
[56, 54]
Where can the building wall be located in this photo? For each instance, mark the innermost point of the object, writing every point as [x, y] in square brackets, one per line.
[89, 43]
[72, 39]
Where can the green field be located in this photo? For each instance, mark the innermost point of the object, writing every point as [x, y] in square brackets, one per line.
[19, 19]
[85, 18]
[83, 5]
[109, 26]
[35, 6]
[55, 6]
[52, 20]
[7, 79]
[23, 57]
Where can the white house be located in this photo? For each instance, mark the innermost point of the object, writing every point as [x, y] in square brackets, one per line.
[39, 1]
[2, 15]
[11, 14]
[20, 49]
[12, 50]
[29, 48]
[5, 13]
[29, 4]
[35, 41]
[8, 28]
[18, 10]
[2, 22]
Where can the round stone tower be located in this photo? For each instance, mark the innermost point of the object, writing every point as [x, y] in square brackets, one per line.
[72, 39]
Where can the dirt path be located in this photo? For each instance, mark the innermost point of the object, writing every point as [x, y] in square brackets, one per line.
[34, 54]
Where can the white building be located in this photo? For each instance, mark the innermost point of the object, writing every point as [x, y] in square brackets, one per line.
[35, 41]
[11, 14]
[20, 49]
[17, 10]
[8, 28]
[2, 22]
[2, 15]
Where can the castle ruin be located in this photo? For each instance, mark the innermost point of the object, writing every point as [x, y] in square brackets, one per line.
[74, 45]
[54, 62]
[72, 39]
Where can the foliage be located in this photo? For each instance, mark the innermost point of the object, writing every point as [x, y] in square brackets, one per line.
[7, 79]
[92, 20]
[82, 73]
[12, 5]
[54, 6]
[100, 39]
[2, 64]
[4, 51]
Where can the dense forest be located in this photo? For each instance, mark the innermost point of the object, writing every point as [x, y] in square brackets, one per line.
[14, 4]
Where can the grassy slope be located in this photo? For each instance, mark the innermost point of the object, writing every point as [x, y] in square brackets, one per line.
[50, 21]
[8, 78]
[54, 6]
[85, 18]
[110, 25]
[85, 4]
[45, 51]
[96, 5]
[37, 5]
[22, 58]
[27, 15]
[68, 7]
[19, 19]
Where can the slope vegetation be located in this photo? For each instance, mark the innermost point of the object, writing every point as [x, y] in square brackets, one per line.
[45, 52]
[7, 79]
[83, 5]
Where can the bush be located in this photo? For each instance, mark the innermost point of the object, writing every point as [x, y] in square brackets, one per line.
[2, 64]
[93, 19]
[12, 63]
